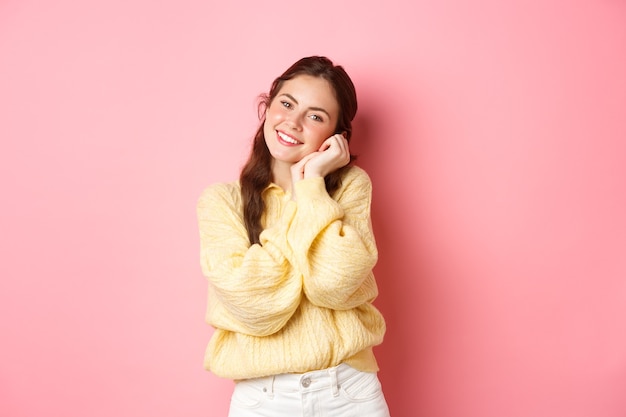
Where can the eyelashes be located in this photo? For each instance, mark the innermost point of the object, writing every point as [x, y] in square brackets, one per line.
[315, 117]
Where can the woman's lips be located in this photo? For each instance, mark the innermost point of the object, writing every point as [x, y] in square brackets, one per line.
[286, 139]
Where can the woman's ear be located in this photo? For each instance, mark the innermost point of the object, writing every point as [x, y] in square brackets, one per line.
[262, 110]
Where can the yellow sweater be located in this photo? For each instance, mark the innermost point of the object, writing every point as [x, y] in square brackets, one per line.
[302, 299]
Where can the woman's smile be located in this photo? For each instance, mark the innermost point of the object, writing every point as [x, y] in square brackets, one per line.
[287, 140]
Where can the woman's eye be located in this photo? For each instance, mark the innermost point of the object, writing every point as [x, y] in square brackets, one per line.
[316, 118]
[286, 104]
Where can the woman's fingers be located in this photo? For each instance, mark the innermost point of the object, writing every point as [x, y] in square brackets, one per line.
[333, 154]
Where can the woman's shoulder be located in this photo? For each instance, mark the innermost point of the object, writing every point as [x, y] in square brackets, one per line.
[355, 183]
[221, 191]
[355, 175]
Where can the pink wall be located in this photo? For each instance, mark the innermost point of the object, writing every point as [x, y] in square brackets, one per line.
[495, 135]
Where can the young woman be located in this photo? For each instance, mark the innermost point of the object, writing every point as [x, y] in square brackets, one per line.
[288, 251]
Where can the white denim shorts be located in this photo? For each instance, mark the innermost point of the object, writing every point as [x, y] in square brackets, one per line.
[341, 391]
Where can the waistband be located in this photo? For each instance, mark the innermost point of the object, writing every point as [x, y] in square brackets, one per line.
[306, 382]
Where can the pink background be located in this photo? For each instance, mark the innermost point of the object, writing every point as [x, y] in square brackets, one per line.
[495, 136]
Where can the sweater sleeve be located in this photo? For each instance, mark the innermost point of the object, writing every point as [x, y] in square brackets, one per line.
[333, 242]
[252, 288]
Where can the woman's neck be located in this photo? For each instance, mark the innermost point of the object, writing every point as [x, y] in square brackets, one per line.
[281, 175]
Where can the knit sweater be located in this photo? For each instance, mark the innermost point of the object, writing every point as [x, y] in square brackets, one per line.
[300, 300]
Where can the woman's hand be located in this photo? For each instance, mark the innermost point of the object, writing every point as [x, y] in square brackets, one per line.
[332, 155]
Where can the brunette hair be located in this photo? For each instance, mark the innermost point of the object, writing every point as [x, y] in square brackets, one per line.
[256, 174]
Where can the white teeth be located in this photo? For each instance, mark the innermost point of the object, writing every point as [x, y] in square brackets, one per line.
[287, 138]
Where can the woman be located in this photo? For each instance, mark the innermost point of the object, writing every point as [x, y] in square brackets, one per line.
[288, 251]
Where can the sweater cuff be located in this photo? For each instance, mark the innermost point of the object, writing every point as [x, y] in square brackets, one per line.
[311, 188]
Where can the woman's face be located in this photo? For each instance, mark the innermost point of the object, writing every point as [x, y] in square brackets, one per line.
[300, 118]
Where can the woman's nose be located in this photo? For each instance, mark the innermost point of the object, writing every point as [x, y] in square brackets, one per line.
[295, 121]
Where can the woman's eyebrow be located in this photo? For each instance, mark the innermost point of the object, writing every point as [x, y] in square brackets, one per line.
[310, 108]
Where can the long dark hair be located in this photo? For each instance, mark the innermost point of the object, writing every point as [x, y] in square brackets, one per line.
[256, 174]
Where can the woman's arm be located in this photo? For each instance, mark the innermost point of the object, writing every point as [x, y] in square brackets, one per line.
[333, 243]
[252, 289]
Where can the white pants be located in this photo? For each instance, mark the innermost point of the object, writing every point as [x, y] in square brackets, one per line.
[341, 391]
